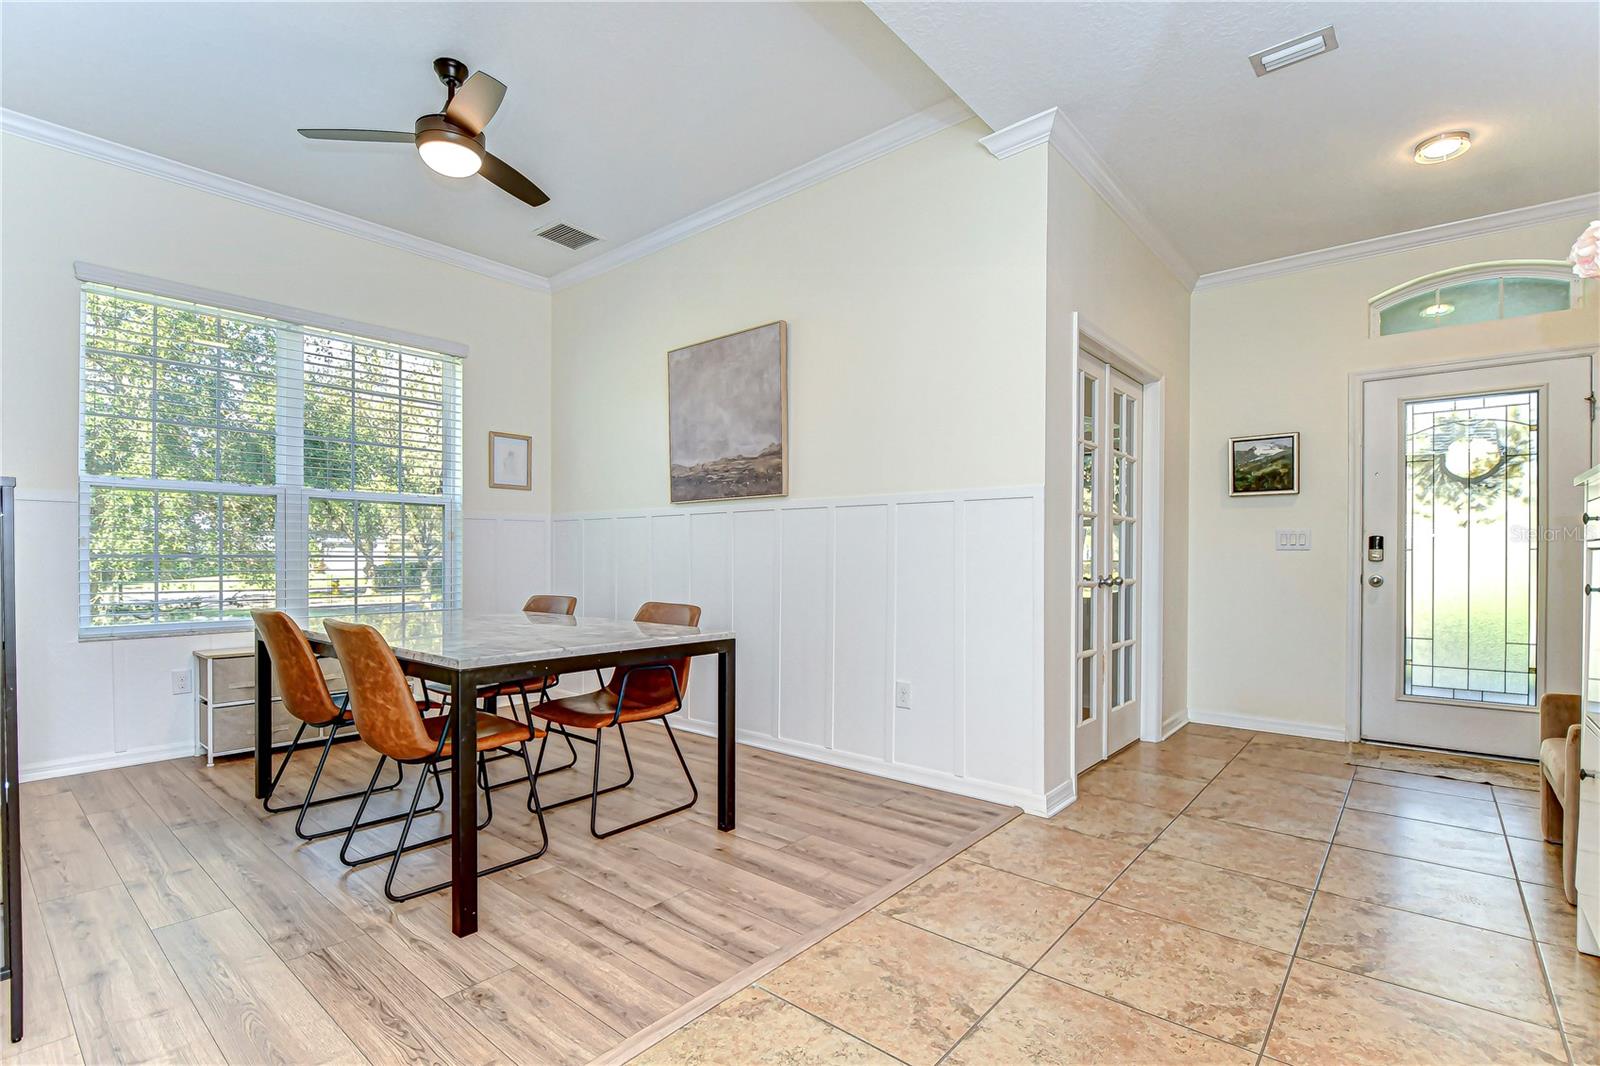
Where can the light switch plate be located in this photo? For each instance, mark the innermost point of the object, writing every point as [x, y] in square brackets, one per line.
[1293, 540]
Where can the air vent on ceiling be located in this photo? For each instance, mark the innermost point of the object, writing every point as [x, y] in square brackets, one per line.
[1290, 52]
[567, 236]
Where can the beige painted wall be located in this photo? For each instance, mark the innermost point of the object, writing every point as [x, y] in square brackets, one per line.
[1100, 270]
[913, 286]
[1267, 629]
[59, 207]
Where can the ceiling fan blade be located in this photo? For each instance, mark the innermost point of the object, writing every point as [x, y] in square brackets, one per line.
[506, 177]
[475, 103]
[358, 135]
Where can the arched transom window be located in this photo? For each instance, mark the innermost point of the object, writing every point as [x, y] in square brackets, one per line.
[1480, 292]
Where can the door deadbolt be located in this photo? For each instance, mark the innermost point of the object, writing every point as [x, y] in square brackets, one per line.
[1376, 581]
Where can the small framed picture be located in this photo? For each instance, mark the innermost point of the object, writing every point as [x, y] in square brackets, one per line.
[510, 461]
[1268, 465]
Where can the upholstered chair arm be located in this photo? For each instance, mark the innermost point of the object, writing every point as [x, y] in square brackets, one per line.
[1573, 751]
[1558, 712]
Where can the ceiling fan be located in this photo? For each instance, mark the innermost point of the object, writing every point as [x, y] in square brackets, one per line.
[451, 143]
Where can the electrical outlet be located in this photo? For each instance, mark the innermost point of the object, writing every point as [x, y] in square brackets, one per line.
[181, 683]
[902, 695]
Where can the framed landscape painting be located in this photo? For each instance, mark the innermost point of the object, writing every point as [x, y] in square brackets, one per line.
[1268, 465]
[728, 416]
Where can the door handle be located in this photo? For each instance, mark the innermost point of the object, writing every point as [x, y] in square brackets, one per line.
[1584, 775]
[1376, 581]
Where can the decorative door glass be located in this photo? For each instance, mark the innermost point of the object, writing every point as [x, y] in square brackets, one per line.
[1471, 520]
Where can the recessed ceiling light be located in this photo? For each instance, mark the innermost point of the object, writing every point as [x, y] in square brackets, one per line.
[1437, 309]
[1289, 52]
[1442, 146]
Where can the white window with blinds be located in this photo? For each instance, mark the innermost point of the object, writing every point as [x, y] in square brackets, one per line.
[231, 460]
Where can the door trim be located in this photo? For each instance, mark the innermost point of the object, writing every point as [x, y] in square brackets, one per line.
[1354, 527]
[1152, 438]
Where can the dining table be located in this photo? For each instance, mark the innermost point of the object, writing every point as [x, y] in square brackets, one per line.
[466, 651]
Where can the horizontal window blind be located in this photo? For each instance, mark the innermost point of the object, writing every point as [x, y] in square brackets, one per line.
[231, 461]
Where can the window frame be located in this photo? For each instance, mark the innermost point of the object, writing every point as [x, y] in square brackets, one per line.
[291, 494]
[1502, 270]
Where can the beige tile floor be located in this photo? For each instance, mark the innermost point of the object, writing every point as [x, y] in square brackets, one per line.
[1220, 897]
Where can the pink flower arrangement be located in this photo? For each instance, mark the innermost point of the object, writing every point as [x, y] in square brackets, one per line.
[1585, 257]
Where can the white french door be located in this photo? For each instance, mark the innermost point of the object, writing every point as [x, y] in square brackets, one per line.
[1110, 408]
[1470, 604]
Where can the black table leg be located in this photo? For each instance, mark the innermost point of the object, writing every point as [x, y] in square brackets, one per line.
[464, 813]
[263, 720]
[725, 739]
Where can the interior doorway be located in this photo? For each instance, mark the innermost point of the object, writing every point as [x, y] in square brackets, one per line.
[1470, 551]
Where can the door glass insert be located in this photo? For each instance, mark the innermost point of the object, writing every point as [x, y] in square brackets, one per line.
[1471, 521]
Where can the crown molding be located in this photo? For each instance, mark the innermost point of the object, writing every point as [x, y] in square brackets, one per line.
[1587, 205]
[135, 159]
[1057, 130]
[912, 128]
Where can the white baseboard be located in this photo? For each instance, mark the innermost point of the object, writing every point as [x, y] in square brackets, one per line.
[1174, 724]
[990, 791]
[1231, 720]
[40, 771]
[1060, 798]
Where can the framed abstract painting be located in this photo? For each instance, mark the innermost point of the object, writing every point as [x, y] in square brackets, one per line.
[728, 416]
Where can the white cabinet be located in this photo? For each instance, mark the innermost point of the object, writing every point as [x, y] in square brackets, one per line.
[1588, 866]
[225, 702]
[1588, 873]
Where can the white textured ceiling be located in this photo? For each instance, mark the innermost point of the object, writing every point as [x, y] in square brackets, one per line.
[630, 116]
[1235, 169]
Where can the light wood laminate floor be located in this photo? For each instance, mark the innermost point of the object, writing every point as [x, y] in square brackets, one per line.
[1222, 897]
[167, 917]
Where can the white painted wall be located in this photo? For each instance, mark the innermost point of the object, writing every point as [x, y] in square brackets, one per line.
[98, 703]
[1267, 629]
[1100, 271]
[911, 543]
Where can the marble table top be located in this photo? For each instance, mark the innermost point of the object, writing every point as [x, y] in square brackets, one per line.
[457, 640]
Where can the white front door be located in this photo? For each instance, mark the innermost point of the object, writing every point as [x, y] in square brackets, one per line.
[1110, 407]
[1472, 611]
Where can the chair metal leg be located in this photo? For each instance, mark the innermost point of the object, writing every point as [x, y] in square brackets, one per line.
[580, 797]
[594, 802]
[307, 801]
[432, 766]
[357, 824]
[402, 847]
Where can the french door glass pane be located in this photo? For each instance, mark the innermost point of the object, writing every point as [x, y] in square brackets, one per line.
[1086, 628]
[1086, 688]
[1471, 547]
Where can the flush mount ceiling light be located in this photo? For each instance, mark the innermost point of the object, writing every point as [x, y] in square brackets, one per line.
[1290, 52]
[1442, 146]
[1437, 309]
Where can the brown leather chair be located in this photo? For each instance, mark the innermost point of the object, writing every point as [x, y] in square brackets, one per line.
[490, 695]
[1560, 715]
[389, 720]
[644, 693]
[306, 696]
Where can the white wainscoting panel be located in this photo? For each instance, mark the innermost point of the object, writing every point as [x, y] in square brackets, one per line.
[833, 602]
[96, 704]
[504, 560]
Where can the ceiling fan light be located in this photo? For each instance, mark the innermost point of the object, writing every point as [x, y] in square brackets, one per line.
[450, 154]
